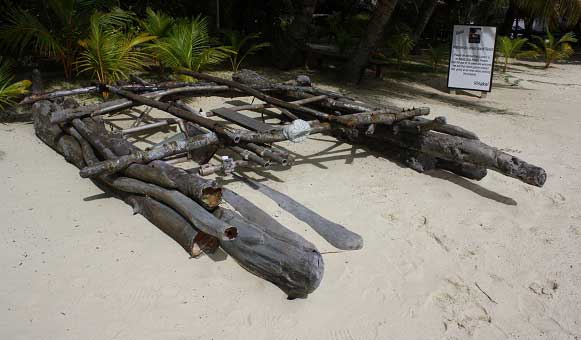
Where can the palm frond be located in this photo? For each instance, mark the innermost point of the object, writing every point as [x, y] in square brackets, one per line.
[554, 50]
[157, 23]
[188, 46]
[111, 54]
[240, 47]
[23, 30]
[9, 91]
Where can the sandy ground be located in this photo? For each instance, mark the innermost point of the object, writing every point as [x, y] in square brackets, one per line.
[444, 257]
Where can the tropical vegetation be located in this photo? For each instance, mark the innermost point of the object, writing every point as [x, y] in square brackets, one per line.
[241, 46]
[112, 50]
[10, 90]
[552, 49]
[513, 49]
[188, 46]
[106, 40]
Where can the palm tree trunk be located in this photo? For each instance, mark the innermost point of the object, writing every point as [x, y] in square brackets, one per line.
[377, 23]
[426, 12]
[510, 15]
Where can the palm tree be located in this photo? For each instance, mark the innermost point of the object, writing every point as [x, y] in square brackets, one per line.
[111, 52]
[9, 90]
[53, 33]
[157, 23]
[188, 46]
[242, 47]
[512, 48]
[554, 50]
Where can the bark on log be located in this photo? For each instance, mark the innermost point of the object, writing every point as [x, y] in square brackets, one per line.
[190, 210]
[354, 120]
[65, 115]
[282, 257]
[174, 225]
[141, 157]
[251, 156]
[194, 213]
[467, 170]
[210, 124]
[160, 215]
[361, 113]
[203, 191]
[421, 125]
[458, 149]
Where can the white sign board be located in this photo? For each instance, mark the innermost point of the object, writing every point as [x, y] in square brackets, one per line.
[472, 58]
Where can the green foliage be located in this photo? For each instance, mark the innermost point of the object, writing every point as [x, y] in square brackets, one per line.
[188, 46]
[553, 12]
[402, 45]
[111, 51]
[347, 30]
[157, 23]
[53, 33]
[554, 50]
[436, 55]
[241, 47]
[512, 48]
[9, 90]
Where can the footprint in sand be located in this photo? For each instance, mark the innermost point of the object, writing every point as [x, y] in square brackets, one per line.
[546, 288]
[557, 198]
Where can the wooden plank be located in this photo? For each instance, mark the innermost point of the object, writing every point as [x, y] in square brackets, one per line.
[242, 120]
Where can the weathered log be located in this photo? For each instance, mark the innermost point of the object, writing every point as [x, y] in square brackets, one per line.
[210, 124]
[251, 156]
[463, 150]
[208, 169]
[75, 151]
[282, 257]
[336, 234]
[439, 124]
[190, 210]
[163, 151]
[64, 115]
[148, 127]
[182, 204]
[57, 94]
[203, 191]
[174, 225]
[301, 84]
[370, 115]
[467, 170]
[268, 153]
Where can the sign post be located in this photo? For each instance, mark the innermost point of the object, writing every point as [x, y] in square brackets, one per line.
[472, 58]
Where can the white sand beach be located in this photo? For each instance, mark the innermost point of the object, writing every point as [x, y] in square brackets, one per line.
[444, 257]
